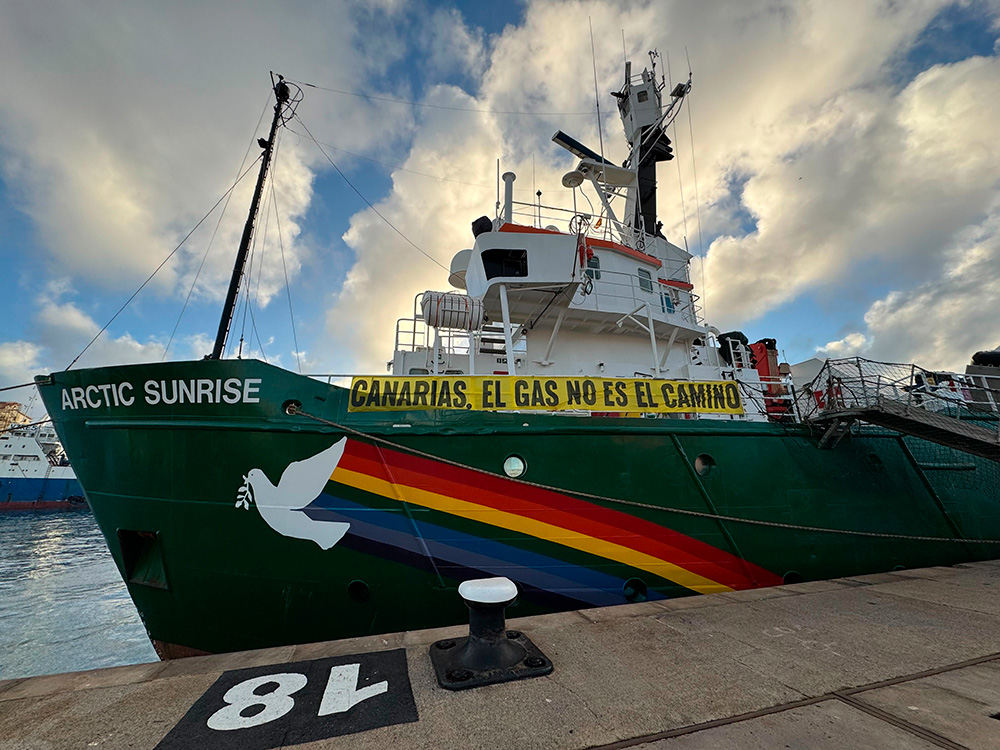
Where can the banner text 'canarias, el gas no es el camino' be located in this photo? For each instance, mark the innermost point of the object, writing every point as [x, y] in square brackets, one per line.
[493, 393]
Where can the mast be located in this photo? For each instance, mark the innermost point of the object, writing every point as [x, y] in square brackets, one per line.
[281, 97]
[640, 107]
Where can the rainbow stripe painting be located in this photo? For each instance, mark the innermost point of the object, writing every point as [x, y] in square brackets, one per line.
[461, 523]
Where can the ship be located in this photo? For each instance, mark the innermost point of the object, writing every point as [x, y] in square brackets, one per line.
[562, 416]
[35, 473]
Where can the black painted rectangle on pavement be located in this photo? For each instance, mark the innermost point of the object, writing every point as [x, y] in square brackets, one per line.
[260, 708]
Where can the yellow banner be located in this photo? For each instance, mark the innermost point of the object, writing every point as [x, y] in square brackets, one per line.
[505, 392]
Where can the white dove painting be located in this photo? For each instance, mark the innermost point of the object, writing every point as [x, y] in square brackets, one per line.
[301, 482]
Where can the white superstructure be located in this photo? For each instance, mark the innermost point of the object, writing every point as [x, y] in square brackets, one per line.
[33, 452]
[602, 295]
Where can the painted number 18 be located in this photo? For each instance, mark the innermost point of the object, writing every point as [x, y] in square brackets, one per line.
[341, 694]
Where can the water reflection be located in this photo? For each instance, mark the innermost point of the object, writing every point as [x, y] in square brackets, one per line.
[63, 606]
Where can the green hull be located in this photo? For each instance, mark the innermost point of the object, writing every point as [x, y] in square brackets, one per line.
[206, 576]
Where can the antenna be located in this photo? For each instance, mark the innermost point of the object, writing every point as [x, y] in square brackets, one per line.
[697, 201]
[680, 181]
[597, 98]
[624, 51]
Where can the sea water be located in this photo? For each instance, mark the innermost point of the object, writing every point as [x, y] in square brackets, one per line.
[63, 605]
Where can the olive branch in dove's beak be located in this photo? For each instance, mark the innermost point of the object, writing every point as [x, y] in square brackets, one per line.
[244, 495]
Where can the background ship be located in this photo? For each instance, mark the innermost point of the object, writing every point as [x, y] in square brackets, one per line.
[34, 470]
[569, 421]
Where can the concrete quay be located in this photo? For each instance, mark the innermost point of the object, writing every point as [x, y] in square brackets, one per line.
[909, 659]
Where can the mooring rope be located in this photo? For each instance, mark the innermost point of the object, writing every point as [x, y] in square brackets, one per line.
[293, 410]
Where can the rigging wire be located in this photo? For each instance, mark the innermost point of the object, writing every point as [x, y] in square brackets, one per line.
[398, 168]
[24, 425]
[259, 240]
[260, 273]
[253, 326]
[14, 387]
[372, 97]
[367, 202]
[680, 181]
[597, 98]
[394, 166]
[246, 280]
[162, 264]
[215, 231]
[697, 202]
[288, 288]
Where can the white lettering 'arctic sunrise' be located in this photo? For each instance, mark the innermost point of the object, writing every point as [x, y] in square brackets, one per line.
[192, 391]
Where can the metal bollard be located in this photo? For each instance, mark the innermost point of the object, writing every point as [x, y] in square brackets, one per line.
[491, 653]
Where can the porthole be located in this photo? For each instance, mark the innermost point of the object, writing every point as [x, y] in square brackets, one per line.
[704, 465]
[792, 576]
[635, 590]
[359, 592]
[514, 466]
[875, 461]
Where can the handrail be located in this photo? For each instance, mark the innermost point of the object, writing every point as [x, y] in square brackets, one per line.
[859, 383]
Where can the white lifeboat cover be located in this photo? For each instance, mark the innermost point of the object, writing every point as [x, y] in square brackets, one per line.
[450, 310]
[459, 267]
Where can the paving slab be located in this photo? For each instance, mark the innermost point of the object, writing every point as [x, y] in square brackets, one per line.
[822, 642]
[812, 587]
[960, 704]
[830, 725]
[109, 718]
[969, 592]
[627, 674]
[73, 681]
[940, 571]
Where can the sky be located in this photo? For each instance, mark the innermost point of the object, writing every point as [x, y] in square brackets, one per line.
[837, 174]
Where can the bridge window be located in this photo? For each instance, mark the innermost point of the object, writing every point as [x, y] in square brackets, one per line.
[645, 280]
[504, 263]
[594, 268]
[667, 301]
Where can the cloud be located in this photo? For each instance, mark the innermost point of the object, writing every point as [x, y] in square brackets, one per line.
[812, 160]
[18, 363]
[850, 345]
[818, 167]
[388, 270]
[449, 47]
[876, 175]
[60, 326]
[131, 122]
[942, 322]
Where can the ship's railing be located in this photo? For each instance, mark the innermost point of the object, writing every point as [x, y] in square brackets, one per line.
[860, 384]
[616, 291]
[774, 396]
[541, 216]
[414, 335]
[599, 226]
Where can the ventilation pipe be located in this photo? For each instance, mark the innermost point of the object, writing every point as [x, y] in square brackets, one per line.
[508, 197]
